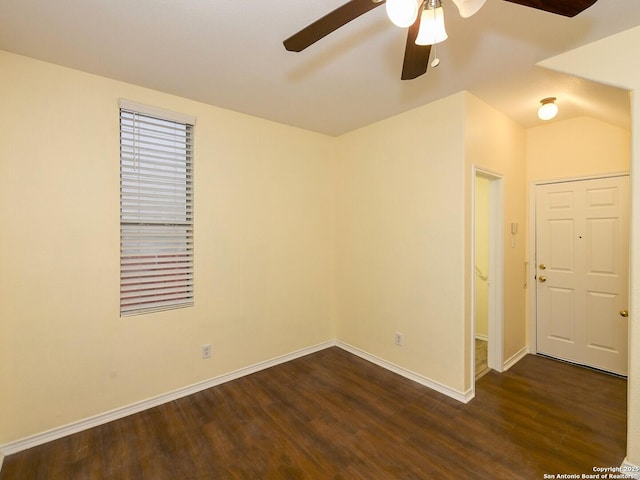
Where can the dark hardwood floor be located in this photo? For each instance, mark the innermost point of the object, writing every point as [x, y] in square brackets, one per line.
[332, 415]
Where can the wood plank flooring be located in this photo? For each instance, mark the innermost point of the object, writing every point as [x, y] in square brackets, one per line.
[332, 415]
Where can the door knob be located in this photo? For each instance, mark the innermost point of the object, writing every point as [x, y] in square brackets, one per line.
[624, 313]
[542, 266]
[542, 279]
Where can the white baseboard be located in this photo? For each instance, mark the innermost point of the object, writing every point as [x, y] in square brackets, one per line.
[101, 419]
[463, 397]
[629, 469]
[480, 336]
[515, 358]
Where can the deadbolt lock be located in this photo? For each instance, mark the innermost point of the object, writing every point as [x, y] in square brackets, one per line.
[542, 266]
[542, 279]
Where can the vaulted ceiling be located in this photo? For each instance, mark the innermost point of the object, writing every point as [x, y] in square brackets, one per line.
[229, 53]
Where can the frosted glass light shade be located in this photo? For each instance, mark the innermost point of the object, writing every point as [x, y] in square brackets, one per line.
[402, 13]
[548, 109]
[432, 29]
[468, 7]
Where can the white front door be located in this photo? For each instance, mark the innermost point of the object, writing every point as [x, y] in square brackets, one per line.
[582, 264]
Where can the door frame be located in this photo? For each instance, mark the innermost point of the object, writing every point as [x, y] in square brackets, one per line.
[496, 269]
[532, 254]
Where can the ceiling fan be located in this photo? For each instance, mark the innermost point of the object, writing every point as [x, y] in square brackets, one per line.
[424, 19]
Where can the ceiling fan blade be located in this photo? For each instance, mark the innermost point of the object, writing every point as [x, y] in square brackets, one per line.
[416, 57]
[329, 23]
[568, 8]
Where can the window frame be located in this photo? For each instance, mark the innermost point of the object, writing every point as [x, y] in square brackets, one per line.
[156, 209]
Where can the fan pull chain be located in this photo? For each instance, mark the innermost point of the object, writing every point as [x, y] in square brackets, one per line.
[436, 60]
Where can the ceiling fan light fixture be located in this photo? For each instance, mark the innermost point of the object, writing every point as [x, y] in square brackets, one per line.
[548, 109]
[402, 13]
[432, 29]
[468, 7]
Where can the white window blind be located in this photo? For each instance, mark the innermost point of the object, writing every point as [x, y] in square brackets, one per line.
[156, 211]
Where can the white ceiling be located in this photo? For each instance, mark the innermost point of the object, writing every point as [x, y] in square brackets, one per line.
[229, 53]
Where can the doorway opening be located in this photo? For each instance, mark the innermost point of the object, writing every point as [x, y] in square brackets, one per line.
[487, 276]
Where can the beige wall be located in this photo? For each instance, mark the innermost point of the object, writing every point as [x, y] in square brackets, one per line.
[300, 238]
[578, 147]
[264, 209]
[400, 224]
[269, 202]
[620, 70]
[404, 235]
[496, 144]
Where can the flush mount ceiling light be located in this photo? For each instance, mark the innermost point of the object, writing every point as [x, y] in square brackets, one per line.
[548, 108]
[404, 13]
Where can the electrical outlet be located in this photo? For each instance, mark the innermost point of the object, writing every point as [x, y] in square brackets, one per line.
[206, 351]
[398, 339]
